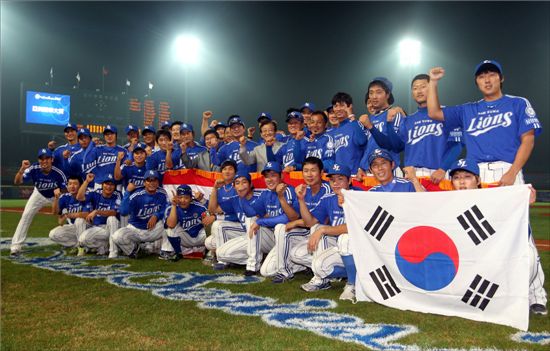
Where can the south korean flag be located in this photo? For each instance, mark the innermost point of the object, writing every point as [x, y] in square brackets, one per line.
[454, 253]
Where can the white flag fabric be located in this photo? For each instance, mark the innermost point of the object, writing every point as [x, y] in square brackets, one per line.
[78, 76]
[127, 82]
[454, 253]
[51, 72]
[150, 85]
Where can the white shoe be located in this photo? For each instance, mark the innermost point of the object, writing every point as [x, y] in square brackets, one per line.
[113, 254]
[349, 293]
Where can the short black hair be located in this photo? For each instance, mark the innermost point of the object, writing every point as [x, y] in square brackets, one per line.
[179, 123]
[342, 98]
[75, 177]
[211, 131]
[229, 163]
[312, 160]
[163, 132]
[421, 76]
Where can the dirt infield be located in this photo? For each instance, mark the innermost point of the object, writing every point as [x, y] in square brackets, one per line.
[542, 244]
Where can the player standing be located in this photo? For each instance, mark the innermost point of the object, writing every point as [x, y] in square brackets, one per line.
[499, 130]
[63, 152]
[48, 181]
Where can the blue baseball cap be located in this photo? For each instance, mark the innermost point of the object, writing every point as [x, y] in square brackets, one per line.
[385, 82]
[235, 120]
[219, 125]
[308, 105]
[84, 131]
[329, 108]
[339, 169]
[45, 152]
[487, 65]
[265, 115]
[229, 162]
[186, 127]
[272, 166]
[131, 127]
[139, 146]
[148, 129]
[70, 125]
[166, 124]
[110, 128]
[184, 189]
[243, 173]
[294, 115]
[465, 165]
[379, 153]
[151, 174]
[109, 178]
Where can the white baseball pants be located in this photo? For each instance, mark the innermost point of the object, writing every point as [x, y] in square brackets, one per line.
[68, 235]
[34, 204]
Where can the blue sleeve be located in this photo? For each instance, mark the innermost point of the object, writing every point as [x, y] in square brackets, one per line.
[396, 143]
[248, 209]
[160, 212]
[271, 222]
[151, 162]
[453, 116]
[381, 139]
[359, 136]
[451, 154]
[125, 205]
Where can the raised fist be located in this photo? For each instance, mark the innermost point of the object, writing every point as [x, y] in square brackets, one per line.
[365, 120]
[52, 144]
[120, 155]
[301, 191]
[251, 131]
[25, 164]
[436, 73]
[281, 187]
[219, 183]
[90, 177]
[66, 153]
[242, 140]
[206, 114]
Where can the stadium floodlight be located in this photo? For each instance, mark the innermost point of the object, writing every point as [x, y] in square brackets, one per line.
[186, 49]
[409, 52]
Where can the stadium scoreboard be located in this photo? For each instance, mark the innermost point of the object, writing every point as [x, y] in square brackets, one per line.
[45, 109]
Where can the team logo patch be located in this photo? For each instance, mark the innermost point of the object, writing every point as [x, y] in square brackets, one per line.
[530, 111]
[427, 258]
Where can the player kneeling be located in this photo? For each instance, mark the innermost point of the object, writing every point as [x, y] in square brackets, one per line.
[103, 205]
[71, 215]
[184, 225]
[146, 211]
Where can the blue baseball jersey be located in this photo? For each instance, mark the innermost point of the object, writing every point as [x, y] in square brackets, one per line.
[293, 152]
[245, 207]
[321, 147]
[225, 201]
[157, 162]
[397, 185]
[105, 159]
[142, 206]
[96, 201]
[230, 151]
[379, 122]
[427, 141]
[492, 129]
[69, 204]
[133, 174]
[190, 219]
[328, 211]
[75, 163]
[45, 183]
[312, 200]
[349, 144]
[59, 161]
[268, 207]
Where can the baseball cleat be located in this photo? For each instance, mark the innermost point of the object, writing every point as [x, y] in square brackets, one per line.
[311, 287]
[15, 253]
[539, 309]
[165, 255]
[349, 293]
[135, 251]
[280, 278]
[220, 266]
[176, 257]
[249, 273]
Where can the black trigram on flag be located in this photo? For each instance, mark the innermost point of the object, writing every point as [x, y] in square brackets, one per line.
[480, 292]
[379, 223]
[475, 224]
[384, 282]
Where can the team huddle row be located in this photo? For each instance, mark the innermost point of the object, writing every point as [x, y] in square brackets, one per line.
[294, 229]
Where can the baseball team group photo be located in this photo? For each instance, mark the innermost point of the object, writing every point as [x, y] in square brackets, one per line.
[166, 202]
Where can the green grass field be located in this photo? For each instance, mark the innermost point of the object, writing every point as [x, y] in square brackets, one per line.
[45, 310]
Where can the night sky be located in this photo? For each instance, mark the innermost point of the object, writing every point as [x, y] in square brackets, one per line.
[269, 56]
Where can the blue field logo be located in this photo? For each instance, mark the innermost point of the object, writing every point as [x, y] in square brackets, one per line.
[427, 258]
